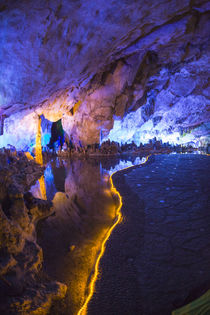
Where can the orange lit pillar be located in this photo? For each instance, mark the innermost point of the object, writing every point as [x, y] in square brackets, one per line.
[38, 152]
[42, 188]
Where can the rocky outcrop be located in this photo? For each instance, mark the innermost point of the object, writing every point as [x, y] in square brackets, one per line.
[22, 289]
[175, 107]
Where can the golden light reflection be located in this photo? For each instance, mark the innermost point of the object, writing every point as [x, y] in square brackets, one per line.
[76, 107]
[38, 153]
[42, 188]
[91, 286]
[28, 155]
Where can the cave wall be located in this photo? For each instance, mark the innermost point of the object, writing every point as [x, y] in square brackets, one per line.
[20, 131]
[139, 66]
[176, 109]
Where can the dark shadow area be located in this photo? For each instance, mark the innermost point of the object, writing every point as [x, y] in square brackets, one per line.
[57, 135]
[59, 174]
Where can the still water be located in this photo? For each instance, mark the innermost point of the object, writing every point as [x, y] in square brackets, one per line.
[85, 209]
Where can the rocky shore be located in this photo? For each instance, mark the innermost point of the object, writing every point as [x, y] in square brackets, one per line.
[110, 148]
[23, 287]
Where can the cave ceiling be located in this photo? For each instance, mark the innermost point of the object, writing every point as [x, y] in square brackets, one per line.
[92, 63]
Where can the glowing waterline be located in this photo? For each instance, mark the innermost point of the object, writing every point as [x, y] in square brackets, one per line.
[83, 309]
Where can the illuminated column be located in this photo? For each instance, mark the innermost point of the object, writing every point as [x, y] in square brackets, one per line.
[42, 188]
[38, 154]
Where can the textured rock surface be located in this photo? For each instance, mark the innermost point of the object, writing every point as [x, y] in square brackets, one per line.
[53, 44]
[89, 63]
[22, 289]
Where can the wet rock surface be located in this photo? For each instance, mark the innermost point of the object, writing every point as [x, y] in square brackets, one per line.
[22, 288]
[158, 258]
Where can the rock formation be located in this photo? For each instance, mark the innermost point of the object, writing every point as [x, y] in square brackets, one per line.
[22, 289]
[139, 69]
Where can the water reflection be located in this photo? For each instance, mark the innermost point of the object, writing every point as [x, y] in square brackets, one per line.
[84, 210]
[122, 164]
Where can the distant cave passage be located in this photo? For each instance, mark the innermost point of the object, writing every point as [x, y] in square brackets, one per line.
[57, 135]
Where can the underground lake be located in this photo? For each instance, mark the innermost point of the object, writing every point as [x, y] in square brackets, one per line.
[157, 257]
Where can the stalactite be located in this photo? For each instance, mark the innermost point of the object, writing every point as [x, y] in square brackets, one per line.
[38, 154]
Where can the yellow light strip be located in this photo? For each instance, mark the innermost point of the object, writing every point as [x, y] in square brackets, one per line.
[83, 309]
[38, 152]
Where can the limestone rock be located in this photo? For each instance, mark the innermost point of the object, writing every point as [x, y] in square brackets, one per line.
[21, 289]
[182, 85]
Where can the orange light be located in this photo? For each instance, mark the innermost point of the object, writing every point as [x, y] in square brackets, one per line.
[38, 153]
[76, 107]
[42, 188]
[83, 309]
[28, 155]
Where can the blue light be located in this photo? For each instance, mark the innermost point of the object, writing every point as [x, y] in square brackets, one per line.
[45, 139]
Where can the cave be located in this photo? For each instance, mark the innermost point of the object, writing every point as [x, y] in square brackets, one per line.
[104, 157]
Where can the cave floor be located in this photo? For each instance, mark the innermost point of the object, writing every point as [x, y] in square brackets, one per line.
[158, 258]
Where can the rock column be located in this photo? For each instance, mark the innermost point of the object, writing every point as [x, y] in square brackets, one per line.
[38, 154]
